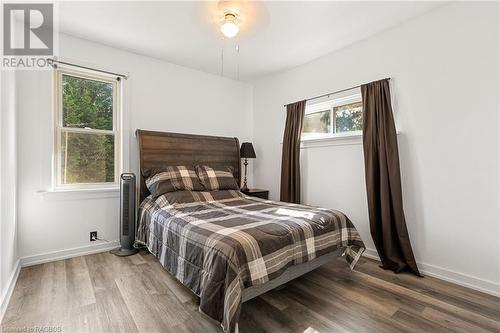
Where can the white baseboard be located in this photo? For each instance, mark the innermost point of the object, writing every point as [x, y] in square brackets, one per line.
[11, 283]
[69, 253]
[371, 253]
[465, 280]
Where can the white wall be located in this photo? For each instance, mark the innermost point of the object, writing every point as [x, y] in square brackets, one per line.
[158, 96]
[445, 88]
[8, 180]
[444, 70]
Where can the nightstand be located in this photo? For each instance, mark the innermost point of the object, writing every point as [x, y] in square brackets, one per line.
[259, 193]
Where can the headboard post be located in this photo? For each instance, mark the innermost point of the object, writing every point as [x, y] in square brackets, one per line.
[160, 149]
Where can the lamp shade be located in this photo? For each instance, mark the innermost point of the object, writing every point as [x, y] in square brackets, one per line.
[246, 150]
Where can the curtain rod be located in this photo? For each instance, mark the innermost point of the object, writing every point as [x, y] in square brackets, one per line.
[338, 91]
[53, 61]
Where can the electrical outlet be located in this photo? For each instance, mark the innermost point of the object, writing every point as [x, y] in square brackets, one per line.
[93, 236]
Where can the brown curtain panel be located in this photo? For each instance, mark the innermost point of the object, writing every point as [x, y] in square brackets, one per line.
[290, 159]
[383, 180]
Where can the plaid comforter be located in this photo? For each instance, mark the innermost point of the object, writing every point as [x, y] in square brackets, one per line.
[218, 243]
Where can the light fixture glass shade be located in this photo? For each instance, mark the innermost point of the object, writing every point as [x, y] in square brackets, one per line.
[229, 28]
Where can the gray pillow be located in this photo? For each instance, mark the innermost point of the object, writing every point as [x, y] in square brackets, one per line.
[214, 180]
[172, 178]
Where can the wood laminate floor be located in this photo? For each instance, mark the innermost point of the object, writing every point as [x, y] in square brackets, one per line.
[104, 293]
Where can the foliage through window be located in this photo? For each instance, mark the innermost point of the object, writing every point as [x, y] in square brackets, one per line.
[87, 129]
[335, 116]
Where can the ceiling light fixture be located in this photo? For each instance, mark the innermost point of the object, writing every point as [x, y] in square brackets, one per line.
[230, 25]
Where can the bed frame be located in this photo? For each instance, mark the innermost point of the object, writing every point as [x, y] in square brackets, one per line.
[157, 149]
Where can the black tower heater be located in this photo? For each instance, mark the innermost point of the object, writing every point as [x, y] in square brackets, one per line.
[127, 216]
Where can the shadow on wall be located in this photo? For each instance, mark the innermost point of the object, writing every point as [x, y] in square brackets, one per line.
[410, 179]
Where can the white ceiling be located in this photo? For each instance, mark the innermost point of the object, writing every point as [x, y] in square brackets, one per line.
[275, 35]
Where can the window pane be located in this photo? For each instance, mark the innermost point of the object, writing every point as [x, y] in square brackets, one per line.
[87, 103]
[318, 122]
[348, 117]
[87, 158]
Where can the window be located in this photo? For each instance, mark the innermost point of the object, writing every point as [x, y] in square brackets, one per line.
[336, 116]
[87, 130]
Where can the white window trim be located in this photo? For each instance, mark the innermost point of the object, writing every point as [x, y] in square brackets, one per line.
[56, 185]
[79, 194]
[353, 138]
[332, 136]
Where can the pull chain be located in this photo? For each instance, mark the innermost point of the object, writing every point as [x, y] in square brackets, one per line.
[222, 61]
[237, 62]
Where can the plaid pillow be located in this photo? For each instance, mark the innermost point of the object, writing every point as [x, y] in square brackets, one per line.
[214, 180]
[170, 179]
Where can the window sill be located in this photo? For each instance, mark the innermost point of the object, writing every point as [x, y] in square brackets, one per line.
[333, 140]
[79, 193]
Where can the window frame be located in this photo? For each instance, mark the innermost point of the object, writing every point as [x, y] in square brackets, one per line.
[59, 129]
[330, 105]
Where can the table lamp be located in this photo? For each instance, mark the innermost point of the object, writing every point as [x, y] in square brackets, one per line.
[246, 152]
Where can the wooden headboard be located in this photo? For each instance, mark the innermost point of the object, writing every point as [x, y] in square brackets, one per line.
[159, 149]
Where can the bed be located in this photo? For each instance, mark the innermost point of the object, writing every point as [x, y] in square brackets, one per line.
[225, 246]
